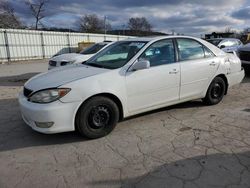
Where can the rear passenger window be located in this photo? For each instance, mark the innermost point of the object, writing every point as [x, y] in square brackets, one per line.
[160, 53]
[190, 49]
[208, 52]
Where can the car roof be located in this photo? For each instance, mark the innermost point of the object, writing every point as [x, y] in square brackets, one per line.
[214, 49]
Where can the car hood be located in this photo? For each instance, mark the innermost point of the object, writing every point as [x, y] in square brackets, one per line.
[231, 49]
[82, 58]
[245, 47]
[66, 57]
[72, 57]
[61, 76]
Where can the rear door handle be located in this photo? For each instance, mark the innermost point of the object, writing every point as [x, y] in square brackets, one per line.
[174, 71]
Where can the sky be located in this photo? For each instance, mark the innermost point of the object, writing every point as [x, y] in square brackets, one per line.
[190, 17]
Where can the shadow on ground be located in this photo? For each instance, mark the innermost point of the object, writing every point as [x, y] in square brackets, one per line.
[190, 104]
[16, 80]
[215, 170]
[15, 134]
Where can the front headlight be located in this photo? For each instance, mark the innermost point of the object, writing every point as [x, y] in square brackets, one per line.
[48, 95]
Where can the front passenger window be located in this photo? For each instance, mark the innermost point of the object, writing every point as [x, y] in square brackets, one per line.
[160, 53]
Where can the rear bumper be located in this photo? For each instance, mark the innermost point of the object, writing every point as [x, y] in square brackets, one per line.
[235, 78]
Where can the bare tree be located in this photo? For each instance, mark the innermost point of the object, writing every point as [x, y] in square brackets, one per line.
[228, 30]
[93, 24]
[8, 18]
[37, 9]
[138, 24]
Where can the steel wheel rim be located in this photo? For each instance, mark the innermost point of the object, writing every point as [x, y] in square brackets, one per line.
[217, 91]
[99, 117]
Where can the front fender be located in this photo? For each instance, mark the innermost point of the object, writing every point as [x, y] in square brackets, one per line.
[110, 83]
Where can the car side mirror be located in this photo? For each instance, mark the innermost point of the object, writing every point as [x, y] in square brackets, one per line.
[140, 64]
[222, 46]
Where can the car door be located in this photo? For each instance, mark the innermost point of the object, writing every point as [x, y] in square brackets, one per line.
[198, 65]
[157, 85]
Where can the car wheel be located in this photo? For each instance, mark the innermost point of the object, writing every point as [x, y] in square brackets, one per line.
[97, 117]
[215, 92]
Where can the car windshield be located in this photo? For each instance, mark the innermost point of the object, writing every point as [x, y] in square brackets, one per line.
[215, 41]
[116, 55]
[93, 49]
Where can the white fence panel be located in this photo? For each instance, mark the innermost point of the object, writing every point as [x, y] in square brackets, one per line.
[112, 38]
[75, 38]
[24, 44]
[3, 52]
[18, 44]
[55, 42]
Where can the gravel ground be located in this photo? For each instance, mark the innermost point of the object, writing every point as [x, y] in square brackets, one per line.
[188, 145]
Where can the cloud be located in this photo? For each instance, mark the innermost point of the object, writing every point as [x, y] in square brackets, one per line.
[243, 13]
[185, 16]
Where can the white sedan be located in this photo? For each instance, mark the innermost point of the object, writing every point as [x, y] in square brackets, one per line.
[127, 78]
[72, 58]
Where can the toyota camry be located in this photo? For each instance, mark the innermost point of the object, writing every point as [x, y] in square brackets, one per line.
[127, 78]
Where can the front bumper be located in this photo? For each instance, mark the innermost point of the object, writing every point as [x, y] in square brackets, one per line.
[61, 114]
[52, 67]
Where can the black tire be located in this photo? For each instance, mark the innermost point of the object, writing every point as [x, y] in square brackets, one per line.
[97, 117]
[215, 92]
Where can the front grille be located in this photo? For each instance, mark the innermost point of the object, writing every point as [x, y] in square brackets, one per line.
[26, 92]
[244, 55]
[52, 63]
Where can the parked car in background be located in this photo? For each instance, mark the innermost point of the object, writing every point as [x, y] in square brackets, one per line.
[245, 38]
[71, 58]
[127, 78]
[244, 54]
[228, 45]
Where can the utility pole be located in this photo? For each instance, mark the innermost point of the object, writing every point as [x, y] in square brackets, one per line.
[105, 29]
[123, 27]
[173, 32]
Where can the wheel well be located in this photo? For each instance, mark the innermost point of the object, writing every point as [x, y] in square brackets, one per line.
[225, 80]
[112, 97]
